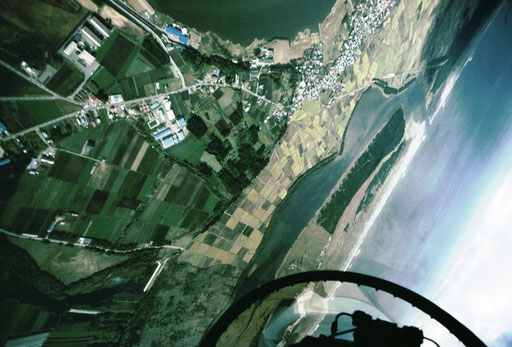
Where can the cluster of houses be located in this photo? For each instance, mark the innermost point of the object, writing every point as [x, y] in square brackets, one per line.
[365, 19]
[167, 129]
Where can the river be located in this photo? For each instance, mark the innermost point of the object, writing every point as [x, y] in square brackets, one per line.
[241, 21]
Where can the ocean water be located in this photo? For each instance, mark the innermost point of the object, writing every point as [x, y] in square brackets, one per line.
[241, 21]
[445, 229]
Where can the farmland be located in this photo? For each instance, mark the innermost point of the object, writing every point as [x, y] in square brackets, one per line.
[30, 32]
[190, 149]
[123, 191]
[13, 85]
[66, 263]
[24, 114]
[142, 84]
[66, 80]
[122, 50]
[102, 82]
[39, 286]
[130, 68]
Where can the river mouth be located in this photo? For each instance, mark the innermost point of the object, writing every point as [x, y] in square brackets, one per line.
[311, 190]
[242, 21]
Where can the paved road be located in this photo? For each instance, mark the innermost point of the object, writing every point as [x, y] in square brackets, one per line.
[83, 245]
[147, 98]
[155, 274]
[28, 130]
[31, 97]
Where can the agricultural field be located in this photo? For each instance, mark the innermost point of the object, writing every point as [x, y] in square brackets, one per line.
[29, 31]
[68, 264]
[102, 51]
[139, 65]
[66, 80]
[143, 84]
[122, 190]
[138, 71]
[121, 50]
[102, 82]
[135, 56]
[20, 115]
[37, 292]
[13, 85]
[24, 317]
[191, 150]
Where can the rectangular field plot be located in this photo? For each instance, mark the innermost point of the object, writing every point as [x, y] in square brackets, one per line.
[136, 85]
[183, 193]
[189, 149]
[120, 51]
[174, 215]
[68, 167]
[97, 202]
[65, 81]
[102, 51]
[105, 227]
[32, 221]
[132, 184]
[193, 219]
[149, 162]
[13, 85]
[103, 81]
[155, 212]
[139, 65]
[140, 232]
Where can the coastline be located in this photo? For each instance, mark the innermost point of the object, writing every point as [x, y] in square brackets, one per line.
[214, 43]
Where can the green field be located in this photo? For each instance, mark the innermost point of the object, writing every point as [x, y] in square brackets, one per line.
[102, 51]
[143, 84]
[13, 85]
[129, 59]
[119, 49]
[32, 30]
[102, 80]
[139, 65]
[189, 149]
[104, 227]
[68, 167]
[170, 199]
[66, 80]
[67, 263]
[25, 114]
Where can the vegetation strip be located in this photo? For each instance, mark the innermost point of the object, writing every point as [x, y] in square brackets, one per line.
[383, 144]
